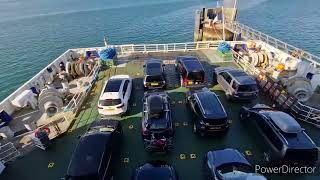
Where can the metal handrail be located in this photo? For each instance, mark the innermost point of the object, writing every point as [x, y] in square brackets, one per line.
[246, 30]
[78, 98]
[170, 47]
[310, 111]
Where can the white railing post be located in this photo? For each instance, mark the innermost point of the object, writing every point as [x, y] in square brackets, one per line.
[185, 47]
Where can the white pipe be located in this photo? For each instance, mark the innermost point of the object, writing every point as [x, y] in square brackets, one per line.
[223, 29]
[234, 10]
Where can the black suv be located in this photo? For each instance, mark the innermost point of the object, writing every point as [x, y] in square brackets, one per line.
[153, 74]
[191, 71]
[286, 140]
[157, 170]
[93, 156]
[208, 114]
[157, 127]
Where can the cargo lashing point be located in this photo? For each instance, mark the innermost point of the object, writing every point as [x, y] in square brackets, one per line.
[177, 124]
[248, 153]
[182, 156]
[126, 160]
[131, 126]
[50, 165]
[193, 156]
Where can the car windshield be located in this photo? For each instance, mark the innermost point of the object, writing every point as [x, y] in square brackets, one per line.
[196, 76]
[154, 125]
[247, 88]
[154, 78]
[110, 102]
[301, 154]
[226, 168]
[156, 115]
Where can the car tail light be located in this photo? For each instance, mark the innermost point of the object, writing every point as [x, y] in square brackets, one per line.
[145, 133]
[185, 81]
[121, 105]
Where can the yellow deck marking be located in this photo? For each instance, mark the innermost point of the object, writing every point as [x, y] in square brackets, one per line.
[138, 74]
[173, 102]
[177, 124]
[126, 160]
[185, 123]
[131, 126]
[180, 102]
[182, 156]
[248, 153]
[134, 104]
[193, 156]
[50, 165]
[70, 130]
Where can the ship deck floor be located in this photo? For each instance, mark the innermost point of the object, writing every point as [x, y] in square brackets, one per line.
[53, 163]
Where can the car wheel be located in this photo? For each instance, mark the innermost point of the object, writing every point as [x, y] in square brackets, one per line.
[214, 78]
[243, 114]
[228, 97]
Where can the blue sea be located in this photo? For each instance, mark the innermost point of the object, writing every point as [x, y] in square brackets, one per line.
[35, 32]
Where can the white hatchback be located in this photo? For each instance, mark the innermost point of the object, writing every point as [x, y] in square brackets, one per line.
[115, 96]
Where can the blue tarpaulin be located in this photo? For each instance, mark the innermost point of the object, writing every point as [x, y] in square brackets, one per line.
[224, 47]
[108, 53]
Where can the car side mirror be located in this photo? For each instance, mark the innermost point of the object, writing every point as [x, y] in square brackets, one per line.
[163, 65]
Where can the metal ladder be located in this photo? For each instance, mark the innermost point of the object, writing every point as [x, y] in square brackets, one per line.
[8, 152]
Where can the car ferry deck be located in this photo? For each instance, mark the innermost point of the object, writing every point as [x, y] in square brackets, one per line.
[189, 149]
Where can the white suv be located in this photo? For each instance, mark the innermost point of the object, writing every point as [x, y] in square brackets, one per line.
[115, 95]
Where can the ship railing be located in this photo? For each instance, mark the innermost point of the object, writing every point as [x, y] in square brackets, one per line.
[250, 33]
[287, 102]
[77, 100]
[8, 152]
[170, 47]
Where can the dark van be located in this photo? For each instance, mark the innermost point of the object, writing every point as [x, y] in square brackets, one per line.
[191, 71]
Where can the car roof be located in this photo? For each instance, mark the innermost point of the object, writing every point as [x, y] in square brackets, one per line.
[155, 103]
[191, 63]
[155, 172]
[113, 85]
[226, 156]
[211, 106]
[86, 159]
[154, 67]
[283, 121]
[242, 77]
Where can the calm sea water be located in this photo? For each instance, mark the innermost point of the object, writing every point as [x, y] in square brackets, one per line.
[34, 32]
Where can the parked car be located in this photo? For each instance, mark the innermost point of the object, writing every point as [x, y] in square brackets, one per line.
[286, 140]
[236, 83]
[230, 164]
[157, 170]
[191, 71]
[93, 157]
[157, 126]
[115, 95]
[208, 113]
[153, 74]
